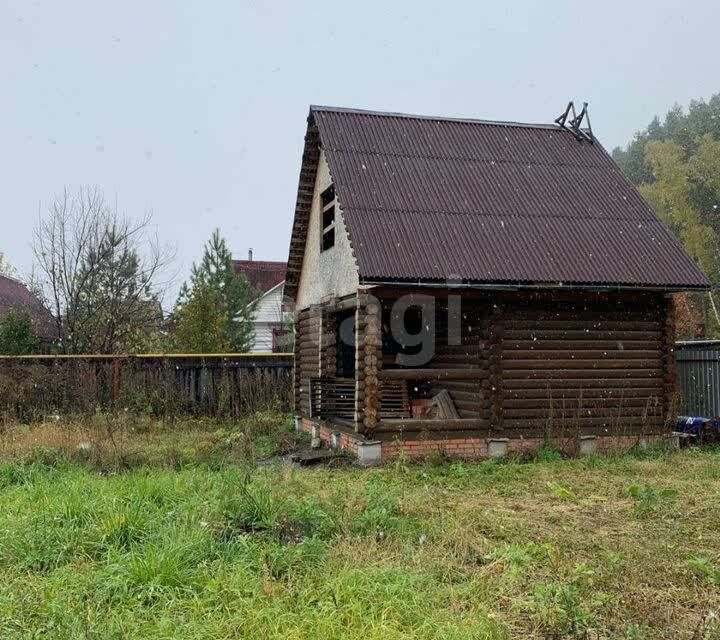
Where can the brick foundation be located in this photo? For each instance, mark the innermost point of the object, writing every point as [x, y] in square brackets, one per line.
[474, 448]
[325, 431]
[466, 448]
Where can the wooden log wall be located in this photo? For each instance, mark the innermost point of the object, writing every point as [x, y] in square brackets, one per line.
[527, 364]
[308, 325]
[468, 351]
[552, 363]
[589, 362]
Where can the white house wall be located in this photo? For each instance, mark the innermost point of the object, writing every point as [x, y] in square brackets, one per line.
[268, 316]
[332, 272]
[269, 306]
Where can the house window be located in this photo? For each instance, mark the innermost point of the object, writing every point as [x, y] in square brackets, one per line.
[327, 203]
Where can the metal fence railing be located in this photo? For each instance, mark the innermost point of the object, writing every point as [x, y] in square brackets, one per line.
[697, 375]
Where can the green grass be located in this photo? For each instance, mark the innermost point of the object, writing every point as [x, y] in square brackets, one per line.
[619, 547]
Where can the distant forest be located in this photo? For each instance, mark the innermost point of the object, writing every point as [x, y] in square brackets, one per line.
[675, 162]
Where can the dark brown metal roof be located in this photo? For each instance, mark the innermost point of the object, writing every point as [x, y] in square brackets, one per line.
[433, 199]
[14, 295]
[262, 275]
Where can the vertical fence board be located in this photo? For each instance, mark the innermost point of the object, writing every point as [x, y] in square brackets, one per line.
[222, 385]
[698, 378]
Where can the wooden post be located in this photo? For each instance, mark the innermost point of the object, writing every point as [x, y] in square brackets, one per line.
[328, 340]
[360, 302]
[495, 347]
[372, 362]
[668, 353]
[297, 361]
[116, 380]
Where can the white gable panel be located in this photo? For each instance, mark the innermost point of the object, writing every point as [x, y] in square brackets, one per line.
[332, 272]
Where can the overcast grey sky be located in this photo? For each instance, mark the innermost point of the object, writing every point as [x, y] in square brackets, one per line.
[196, 110]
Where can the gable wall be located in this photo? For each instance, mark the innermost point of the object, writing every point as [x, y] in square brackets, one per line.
[332, 272]
[269, 306]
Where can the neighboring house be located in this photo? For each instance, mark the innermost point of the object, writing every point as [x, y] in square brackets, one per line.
[477, 287]
[271, 325]
[15, 295]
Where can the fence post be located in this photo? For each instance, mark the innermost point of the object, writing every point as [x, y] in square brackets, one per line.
[116, 381]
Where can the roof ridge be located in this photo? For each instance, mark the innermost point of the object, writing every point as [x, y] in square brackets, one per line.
[414, 116]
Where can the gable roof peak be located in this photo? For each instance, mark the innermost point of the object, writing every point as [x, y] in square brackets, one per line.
[430, 200]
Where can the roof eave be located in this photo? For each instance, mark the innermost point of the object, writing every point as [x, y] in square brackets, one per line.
[515, 286]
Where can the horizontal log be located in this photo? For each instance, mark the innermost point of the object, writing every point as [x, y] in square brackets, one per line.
[575, 344]
[583, 373]
[612, 426]
[413, 424]
[538, 335]
[472, 348]
[554, 311]
[588, 355]
[514, 324]
[432, 374]
[564, 404]
[592, 381]
[569, 363]
[469, 358]
[560, 394]
[570, 414]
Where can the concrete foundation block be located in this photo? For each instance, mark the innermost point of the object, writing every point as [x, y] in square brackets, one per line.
[369, 453]
[298, 423]
[588, 445]
[497, 447]
[335, 440]
[315, 442]
[673, 440]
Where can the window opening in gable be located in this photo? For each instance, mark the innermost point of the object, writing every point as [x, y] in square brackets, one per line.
[327, 203]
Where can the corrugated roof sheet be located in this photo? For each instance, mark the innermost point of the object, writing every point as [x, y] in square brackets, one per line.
[486, 202]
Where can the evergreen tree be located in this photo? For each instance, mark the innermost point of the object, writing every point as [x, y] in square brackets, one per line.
[17, 337]
[202, 324]
[215, 281]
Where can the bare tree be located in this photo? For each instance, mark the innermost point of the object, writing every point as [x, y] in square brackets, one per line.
[98, 272]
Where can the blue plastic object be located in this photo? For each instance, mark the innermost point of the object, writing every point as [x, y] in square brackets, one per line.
[691, 424]
[706, 429]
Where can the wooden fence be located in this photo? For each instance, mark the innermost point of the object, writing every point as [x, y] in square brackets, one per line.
[166, 385]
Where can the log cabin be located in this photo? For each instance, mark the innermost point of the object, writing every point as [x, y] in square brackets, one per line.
[477, 288]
